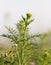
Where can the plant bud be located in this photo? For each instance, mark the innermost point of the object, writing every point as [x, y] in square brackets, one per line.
[15, 45]
[28, 15]
[46, 54]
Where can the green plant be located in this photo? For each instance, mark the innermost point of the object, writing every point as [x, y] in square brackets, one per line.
[25, 47]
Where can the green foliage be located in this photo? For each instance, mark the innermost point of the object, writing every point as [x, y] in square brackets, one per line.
[25, 48]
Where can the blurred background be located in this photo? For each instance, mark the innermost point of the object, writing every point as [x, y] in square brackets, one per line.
[12, 10]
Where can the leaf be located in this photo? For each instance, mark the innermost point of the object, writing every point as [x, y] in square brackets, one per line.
[30, 21]
[23, 18]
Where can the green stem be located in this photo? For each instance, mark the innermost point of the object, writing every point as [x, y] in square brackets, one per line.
[45, 62]
[19, 57]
